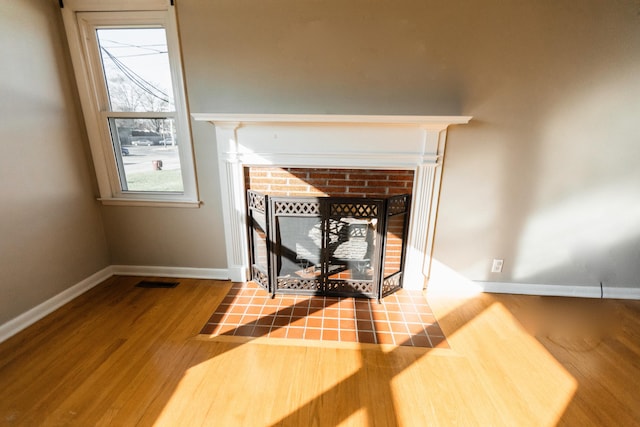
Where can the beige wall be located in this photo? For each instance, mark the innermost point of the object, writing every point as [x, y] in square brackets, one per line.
[51, 235]
[173, 237]
[546, 175]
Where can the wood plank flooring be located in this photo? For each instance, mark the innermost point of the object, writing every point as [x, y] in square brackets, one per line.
[125, 356]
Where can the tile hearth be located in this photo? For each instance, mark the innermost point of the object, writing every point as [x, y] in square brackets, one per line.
[403, 318]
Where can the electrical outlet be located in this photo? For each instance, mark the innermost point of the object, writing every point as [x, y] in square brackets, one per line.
[496, 267]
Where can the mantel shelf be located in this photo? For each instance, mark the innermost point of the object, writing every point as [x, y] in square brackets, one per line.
[440, 121]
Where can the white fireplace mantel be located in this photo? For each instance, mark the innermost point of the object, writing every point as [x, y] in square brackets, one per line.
[337, 141]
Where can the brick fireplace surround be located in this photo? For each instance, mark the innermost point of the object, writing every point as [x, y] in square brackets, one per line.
[406, 145]
[321, 182]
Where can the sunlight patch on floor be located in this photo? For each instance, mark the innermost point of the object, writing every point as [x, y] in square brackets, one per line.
[502, 353]
[259, 373]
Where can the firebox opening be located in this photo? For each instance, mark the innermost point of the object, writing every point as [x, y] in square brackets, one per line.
[328, 232]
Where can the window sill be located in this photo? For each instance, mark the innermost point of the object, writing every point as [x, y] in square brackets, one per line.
[155, 203]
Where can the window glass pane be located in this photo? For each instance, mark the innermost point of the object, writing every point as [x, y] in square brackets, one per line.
[136, 67]
[147, 154]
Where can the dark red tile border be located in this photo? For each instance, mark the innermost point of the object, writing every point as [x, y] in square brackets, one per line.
[403, 318]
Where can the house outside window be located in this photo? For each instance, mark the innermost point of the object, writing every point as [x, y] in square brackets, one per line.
[127, 63]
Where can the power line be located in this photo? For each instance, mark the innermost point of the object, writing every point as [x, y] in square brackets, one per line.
[138, 54]
[123, 45]
[143, 84]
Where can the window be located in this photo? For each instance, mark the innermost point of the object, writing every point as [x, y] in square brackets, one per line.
[127, 65]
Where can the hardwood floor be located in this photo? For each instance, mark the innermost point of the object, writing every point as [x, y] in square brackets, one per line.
[122, 356]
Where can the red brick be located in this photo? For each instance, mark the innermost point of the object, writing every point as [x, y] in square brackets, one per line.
[371, 191]
[350, 182]
[400, 178]
[255, 172]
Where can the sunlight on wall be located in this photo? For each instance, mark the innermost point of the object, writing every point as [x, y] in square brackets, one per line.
[446, 281]
[580, 223]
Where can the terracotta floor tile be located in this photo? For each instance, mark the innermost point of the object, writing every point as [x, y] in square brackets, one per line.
[225, 329]
[312, 334]
[208, 328]
[284, 311]
[316, 302]
[407, 307]
[397, 327]
[297, 333]
[416, 328]
[268, 309]
[300, 311]
[402, 339]
[364, 325]
[348, 335]
[346, 303]
[404, 299]
[395, 317]
[287, 301]
[265, 321]
[244, 330]
[421, 341]
[299, 321]
[384, 338]
[232, 319]
[379, 316]
[392, 307]
[381, 327]
[253, 309]
[366, 337]
[216, 317]
[314, 322]
[434, 329]
[362, 305]
[261, 331]
[249, 318]
[330, 335]
[331, 301]
[347, 314]
[331, 323]
[412, 317]
[237, 309]
[278, 333]
[281, 321]
[347, 324]
[363, 314]
[332, 312]
[317, 313]
[439, 342]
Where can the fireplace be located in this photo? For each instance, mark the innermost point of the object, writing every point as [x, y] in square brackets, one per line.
[340, 246]
[412, 143]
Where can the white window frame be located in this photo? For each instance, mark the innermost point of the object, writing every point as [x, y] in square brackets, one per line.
[81, 18]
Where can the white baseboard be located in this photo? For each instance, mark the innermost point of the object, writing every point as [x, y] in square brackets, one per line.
[28, 318]
[621, 292]
[588, 291]
[187, 272]
[582, 291]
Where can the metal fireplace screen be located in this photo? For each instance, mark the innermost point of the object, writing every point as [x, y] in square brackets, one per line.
[342, 246]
